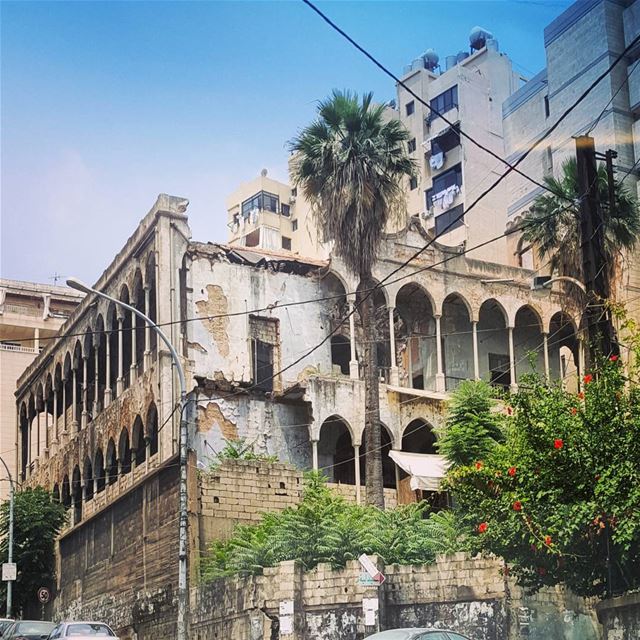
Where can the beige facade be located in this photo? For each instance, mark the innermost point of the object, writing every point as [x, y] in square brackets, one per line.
[268, 214]
[580, 45]
[30, 315]
[453, 172]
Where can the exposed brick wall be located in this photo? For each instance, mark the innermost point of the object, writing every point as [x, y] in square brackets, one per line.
[121, 552]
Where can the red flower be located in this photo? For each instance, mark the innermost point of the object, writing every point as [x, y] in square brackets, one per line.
[558, 443]
[573, 411]
[482, 527]
[479, 465]
[509, 411]
[581, 395]
[512, 471]
[547, 540]
[542, 571]
[588, 378]
[517, 505]
[613, 358]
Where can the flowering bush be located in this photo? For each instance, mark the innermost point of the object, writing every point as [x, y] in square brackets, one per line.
[559, 498]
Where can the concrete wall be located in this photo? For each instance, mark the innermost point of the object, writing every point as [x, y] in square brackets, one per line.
[465, 594]
[620, 617]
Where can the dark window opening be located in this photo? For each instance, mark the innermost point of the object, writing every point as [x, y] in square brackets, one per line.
[500, 370]
[410, 107]
[262, 201]
[413, 183]
[444, 102]
[285, 209]
[262, 357]
[446, 141]
[286, 243]
[411, 145]
[341, 353]
[450, 220]
[252, 239]
[294, 225]
[546, 107]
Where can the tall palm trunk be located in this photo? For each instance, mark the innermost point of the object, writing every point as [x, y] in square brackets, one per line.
[373, 460]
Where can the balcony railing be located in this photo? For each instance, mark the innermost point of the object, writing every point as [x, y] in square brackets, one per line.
[16, 348]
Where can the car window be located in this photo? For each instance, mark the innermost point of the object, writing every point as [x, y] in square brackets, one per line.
[4, 625]
[55, 633]
[32, 627]
[9, 630]
[86, 629]
[455, 636]
[433, 635]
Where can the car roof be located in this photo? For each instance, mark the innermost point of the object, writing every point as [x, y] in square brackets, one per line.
[409, 632]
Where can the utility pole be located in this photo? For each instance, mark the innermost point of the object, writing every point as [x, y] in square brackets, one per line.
[594, 264]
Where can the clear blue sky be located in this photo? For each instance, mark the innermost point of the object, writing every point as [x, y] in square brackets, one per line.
[107, 104]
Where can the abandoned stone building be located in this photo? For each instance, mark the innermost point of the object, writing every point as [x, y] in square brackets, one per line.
[271, 355]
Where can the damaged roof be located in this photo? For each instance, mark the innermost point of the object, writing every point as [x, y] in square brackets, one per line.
[260, 258]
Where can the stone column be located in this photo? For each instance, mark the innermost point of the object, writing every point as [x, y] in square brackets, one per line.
[353, 363]
[512, 362]
[441, 386]
[545, 338]
[55, 416]
[36, 339]
[37, 430]
[476, 357]
[85, 392]
[581, 362]
[64, 406]
[74, 400]
[107, 381]
[314, 453]
[47, 426]
[147, 329]
[356, 454]
[134, 365]
[96, 381]
[393, 374]
[120, 380]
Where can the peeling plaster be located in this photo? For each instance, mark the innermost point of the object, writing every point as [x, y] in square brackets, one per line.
[212, 414]
[215, 305]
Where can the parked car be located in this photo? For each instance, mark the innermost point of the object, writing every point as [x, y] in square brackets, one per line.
[81, 631]
[5, 623]
[28, 630]
[417, 634]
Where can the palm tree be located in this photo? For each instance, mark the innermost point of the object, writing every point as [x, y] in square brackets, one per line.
[350, 164]
[552, 225]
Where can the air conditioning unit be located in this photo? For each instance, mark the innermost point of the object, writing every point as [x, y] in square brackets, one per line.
[292, 199]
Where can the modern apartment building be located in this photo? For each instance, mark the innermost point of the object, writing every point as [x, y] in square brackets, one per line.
[30, 314]
[267, 214]
[468, 89]
[580, 45]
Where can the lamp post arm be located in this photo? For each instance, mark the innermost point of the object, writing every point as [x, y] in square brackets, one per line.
[575, 281]
[183, 596]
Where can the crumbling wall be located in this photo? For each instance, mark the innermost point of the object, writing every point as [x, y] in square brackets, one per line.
[620, 617]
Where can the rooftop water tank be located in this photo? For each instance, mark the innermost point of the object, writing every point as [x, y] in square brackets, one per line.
[418, 63]
[492, 44]
[450, 62]
[431, 59]
[478, 37]
[462, 55]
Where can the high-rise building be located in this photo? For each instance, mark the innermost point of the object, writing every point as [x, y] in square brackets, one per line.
[580, 45]
[30, 314]
[468, 89]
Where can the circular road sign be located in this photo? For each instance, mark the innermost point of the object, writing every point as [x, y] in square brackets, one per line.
[44, 595]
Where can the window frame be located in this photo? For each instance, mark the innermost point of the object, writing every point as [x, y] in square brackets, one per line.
[410, 108]
[443, 102]
[412, 145]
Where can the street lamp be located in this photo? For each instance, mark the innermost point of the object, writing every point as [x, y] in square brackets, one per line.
[74, 283]
[10, 554]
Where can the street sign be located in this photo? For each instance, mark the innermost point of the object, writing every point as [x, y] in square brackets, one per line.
[43, 595]
[9, 571]
[371, 569]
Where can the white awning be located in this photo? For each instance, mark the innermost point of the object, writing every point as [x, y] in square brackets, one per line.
[426, 469]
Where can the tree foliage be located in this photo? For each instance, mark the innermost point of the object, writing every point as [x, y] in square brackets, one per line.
[239, 449]
[564, 485]
[326, 528]
[553, 223]
[350, 165]
[37, 522]
[471, 428]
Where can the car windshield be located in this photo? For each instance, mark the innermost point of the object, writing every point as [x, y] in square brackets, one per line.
[88, 629]
[5, 624]
[30, 627]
